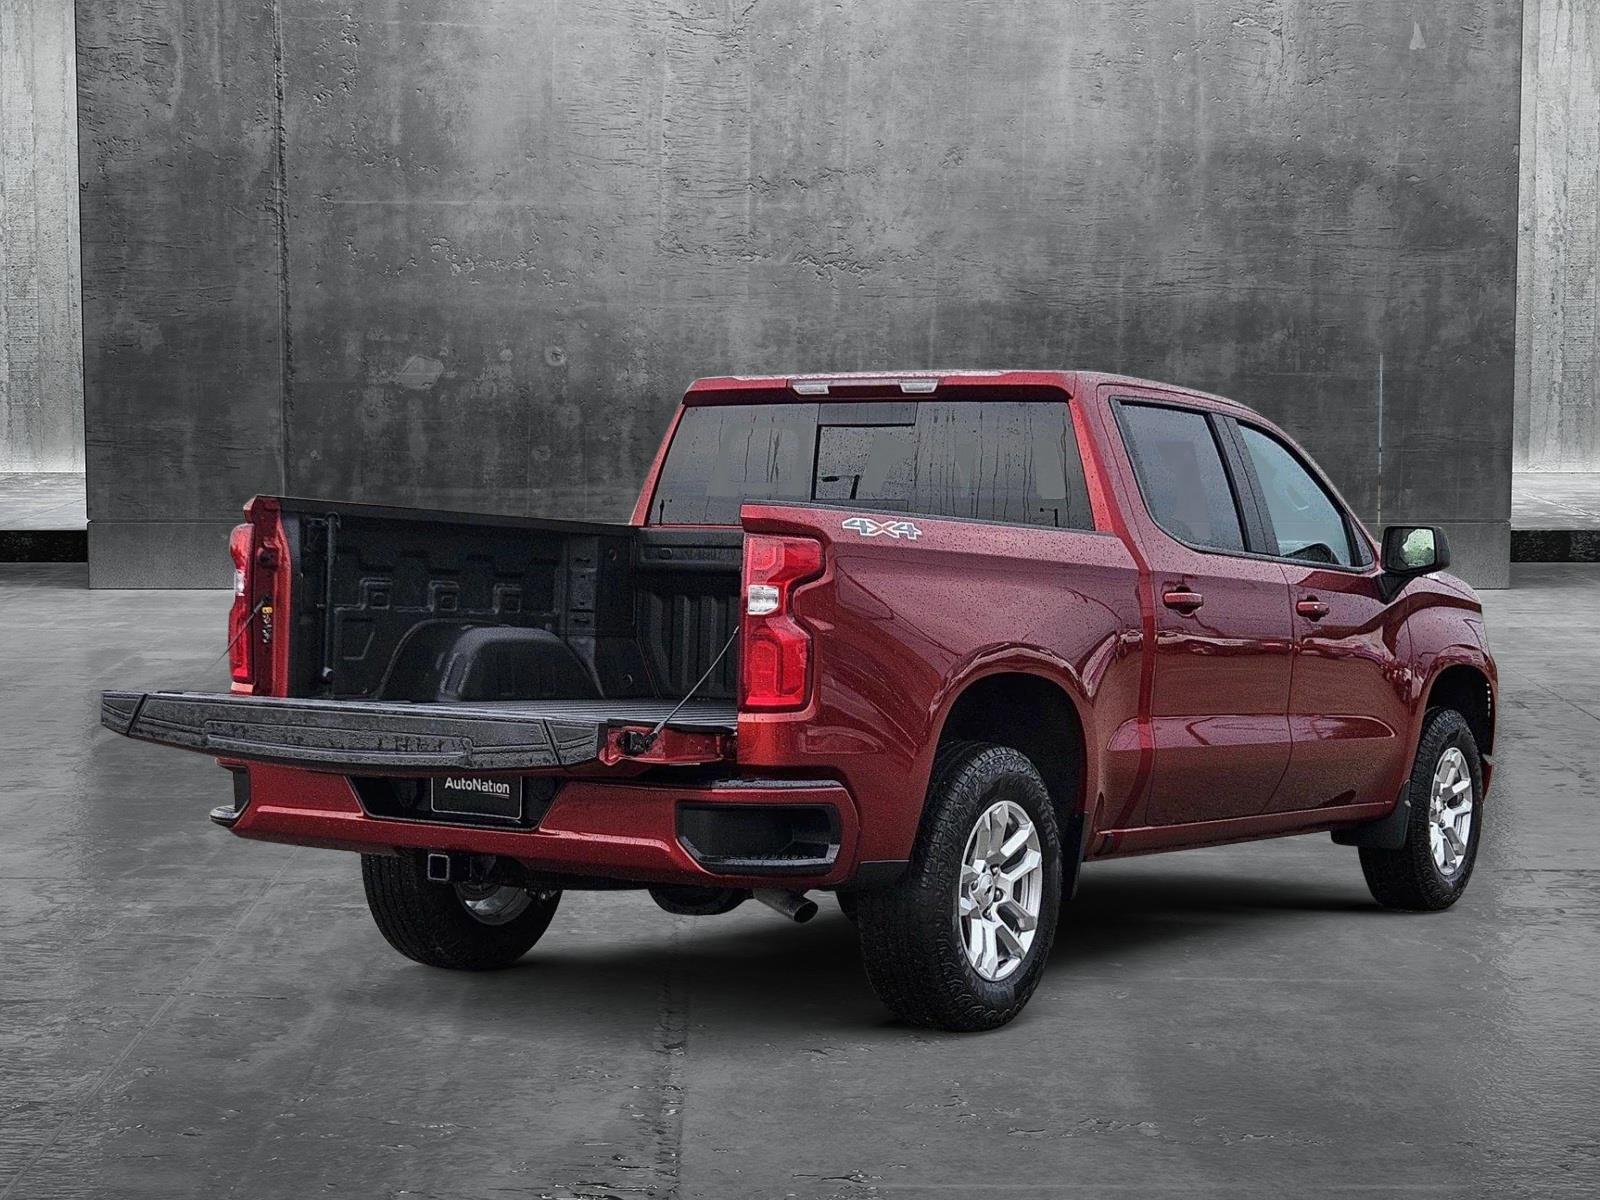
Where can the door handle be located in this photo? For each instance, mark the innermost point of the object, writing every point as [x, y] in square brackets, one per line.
[1183, 601]
[1312, 609]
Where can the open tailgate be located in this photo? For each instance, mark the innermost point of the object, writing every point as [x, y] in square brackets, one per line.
[341, 735]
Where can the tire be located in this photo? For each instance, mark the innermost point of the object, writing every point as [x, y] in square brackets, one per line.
[847, 905]
[914, 935]
[1412, 879]
[432, 923]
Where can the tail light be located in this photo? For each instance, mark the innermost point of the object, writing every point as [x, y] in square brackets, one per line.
[257, 660]
[775, 655]
[241, 544]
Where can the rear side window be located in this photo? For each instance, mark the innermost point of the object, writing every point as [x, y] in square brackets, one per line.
[1181, 475]
[1013, 462]
[1306, 523]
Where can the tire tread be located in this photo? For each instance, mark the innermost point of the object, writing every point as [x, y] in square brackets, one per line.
[902, 942]
[1405, 879]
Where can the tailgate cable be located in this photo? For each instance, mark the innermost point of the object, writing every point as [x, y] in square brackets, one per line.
[244, 625]
[634, 743]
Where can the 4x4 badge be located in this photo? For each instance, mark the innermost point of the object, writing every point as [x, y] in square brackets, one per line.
[867, 527]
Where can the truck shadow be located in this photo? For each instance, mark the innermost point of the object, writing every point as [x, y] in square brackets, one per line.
[1104, 896]
[1114, 916]
[752, 970]
[737, 972]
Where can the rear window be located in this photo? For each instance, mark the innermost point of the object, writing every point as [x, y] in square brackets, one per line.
[1181, 476]
[1013, 462]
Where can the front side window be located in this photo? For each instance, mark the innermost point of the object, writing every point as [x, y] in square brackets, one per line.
[1181, 475]
[1306, 523]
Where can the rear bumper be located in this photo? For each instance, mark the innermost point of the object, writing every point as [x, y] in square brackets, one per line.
[648, 833]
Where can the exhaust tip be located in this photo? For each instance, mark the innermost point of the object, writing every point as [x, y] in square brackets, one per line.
[793, 905]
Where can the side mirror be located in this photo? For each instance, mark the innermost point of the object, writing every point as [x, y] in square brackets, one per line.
[1415, 550]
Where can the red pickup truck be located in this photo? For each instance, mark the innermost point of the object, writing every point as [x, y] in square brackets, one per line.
[930, 641]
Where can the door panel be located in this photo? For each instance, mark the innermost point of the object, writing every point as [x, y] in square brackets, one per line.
[1347, 704]
[1347, 701]
[1222, 685]
[1224, 636]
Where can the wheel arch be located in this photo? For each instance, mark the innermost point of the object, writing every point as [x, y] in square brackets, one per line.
[1037, 714]
[1467, 688]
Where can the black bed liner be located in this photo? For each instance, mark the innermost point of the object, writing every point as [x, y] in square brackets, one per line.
[371, 734]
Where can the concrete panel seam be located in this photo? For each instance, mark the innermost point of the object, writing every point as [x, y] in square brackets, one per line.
[281, 203]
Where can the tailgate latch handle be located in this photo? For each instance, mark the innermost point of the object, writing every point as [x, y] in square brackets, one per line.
[633, 743]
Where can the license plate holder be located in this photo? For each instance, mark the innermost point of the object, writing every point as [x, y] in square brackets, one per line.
[479, 797]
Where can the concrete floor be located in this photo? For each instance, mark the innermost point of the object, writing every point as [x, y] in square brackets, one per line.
[1555, 500]
[32, 500]
[184, 1013]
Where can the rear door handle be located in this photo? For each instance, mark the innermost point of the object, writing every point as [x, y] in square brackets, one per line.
[1183, 601]
[1312, 610]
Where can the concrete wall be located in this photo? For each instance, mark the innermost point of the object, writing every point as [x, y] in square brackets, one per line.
[469, 254]
[41, 349]
[1558, 315]
[184, 341]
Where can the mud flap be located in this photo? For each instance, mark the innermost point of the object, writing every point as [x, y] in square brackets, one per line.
[1386, 833]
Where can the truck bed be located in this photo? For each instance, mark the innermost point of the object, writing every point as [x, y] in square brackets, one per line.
[505, 735]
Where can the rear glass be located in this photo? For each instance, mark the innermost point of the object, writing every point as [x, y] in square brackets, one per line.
[1014, 462]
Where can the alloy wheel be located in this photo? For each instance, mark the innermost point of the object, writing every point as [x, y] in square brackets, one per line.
[1450, 806]
[1001, 887]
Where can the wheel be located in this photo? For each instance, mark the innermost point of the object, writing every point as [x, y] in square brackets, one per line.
[461, 926]
[1431, 869]
[959, 943]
